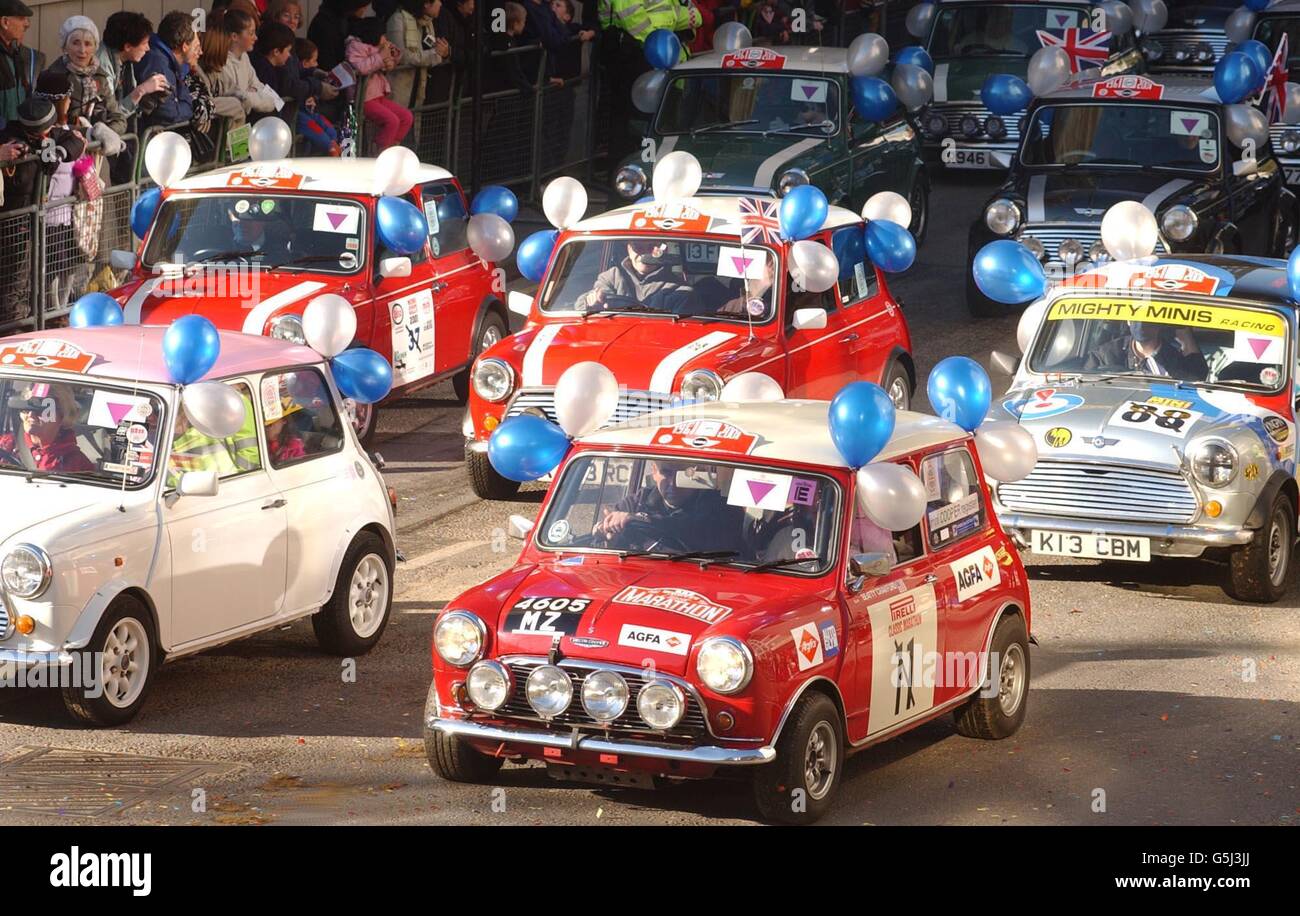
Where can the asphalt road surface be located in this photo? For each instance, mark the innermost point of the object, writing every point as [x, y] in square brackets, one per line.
[1155, 699]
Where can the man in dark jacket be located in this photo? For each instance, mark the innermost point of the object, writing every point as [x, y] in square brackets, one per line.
[456, 24]
[174, 105]
[18, 64]
[331, 26]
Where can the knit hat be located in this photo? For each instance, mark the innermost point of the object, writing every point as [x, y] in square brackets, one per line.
[77, 24]
[36, 114]
[53, 85]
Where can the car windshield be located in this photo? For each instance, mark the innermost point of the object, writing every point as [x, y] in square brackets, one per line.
[1271, 30]
[1001, 30]
[686, 508]
[269, 230]
[1123, 136]
[679, 276]
[749, 103]
[1200, 342]
[73, 428]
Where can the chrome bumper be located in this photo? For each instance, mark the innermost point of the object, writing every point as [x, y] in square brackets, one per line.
[715, 756]
[30, 659]
[1166, 540]
[476, 445]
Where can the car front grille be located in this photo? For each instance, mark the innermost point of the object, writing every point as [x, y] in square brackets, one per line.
[631, 404]
[953, 112]
[693, 725]
[1106, 492]
[1086, 235]
[1275, 138]
[1185, 42]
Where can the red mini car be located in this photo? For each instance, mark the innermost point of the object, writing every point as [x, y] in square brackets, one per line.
[701, 594]
[249, 246]
[675, 299]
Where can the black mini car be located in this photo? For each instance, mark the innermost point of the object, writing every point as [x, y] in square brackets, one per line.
[1281, 21]
[1096, 142]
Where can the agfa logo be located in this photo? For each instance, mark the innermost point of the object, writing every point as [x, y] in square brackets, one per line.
[807, 646]
[976, 573]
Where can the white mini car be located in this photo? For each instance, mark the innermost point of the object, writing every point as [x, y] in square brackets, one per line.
[129, 537]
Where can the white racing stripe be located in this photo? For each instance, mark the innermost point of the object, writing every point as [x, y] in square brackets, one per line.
[666, 371]
[1034, 209]
[941, 82]
[256, 319]
[1163, 193]
[535, 356]
[135, 305]
[763, 177]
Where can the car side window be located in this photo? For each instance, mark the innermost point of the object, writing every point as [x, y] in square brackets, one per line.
[954, 506]
[857, 274]
[193, 450]
[865, 536]
[448, 218]
[301, 422]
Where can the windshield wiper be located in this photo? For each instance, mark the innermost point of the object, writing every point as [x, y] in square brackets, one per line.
[704, 556]
[825, 127]
[245, 253]
[776, 564]
[720, 125]
[309, 259]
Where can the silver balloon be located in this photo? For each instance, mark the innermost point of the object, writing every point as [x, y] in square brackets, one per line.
[270, 139]
[564, 202]
[1239, 25]
[868, 55]
[648, 89]
[1149, 15]
[731, 36]
[919, 19]
[167, 158]
[1291, 111]
[889, 205]
[1007, 450]
[329, 324]
[490, 237]
[1117, 17]
[814, 267]
[396, 171]
[1049, 69]
[586, 396]
[891, 495]
[914, 87]
[1246, 123]
[676, 176]
[752, 386]
[215, 409]
[1129, 231]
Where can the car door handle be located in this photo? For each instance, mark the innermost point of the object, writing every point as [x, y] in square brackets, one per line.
[931, 578]
[438, 287]
[848, 338]
[276, 504]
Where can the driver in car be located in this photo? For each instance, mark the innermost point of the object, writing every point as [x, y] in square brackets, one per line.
[642, 276]
[46, 412]
[676, 513]
[1151, 349]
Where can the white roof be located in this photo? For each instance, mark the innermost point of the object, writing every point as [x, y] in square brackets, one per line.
[789, 430]
[798, 59]
[323, 173]
[722, 210]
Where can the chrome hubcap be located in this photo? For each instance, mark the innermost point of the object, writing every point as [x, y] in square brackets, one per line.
[1011, 680]
[368, 595]
[819, 760]
[361, 415]
[124, 664]
[491, 336]
[898, 393]
[1277, 552]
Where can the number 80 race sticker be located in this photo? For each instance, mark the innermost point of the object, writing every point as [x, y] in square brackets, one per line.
[1166, 416]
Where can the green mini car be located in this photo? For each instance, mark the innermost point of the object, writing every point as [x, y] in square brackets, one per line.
[763, 121]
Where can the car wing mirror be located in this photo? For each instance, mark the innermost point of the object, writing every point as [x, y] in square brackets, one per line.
[870, 564]
[395, 267]
[519, 303]
[1004, 362]
[121, 260]
[198, 483]
[809, 319]
[519, 527]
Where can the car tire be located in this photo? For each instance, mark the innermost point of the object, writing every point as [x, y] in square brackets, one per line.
[1000, 715]
[919, 200]
[357, 612]
[485, 481]
[452, 759]
[1260, 572]
[492, 330]
[813, 732]
[127, 650]
[898, 385]
[366, 423]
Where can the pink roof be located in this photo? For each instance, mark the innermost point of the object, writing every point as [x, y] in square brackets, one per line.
[135, 353]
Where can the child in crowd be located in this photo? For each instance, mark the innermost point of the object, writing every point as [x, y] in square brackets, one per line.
[568, 63]
[391, 121]
[313, 125]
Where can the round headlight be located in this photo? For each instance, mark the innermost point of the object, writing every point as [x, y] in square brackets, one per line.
[288, 327]
[1152, 49]
[630, 181]
[1181, 54]
[661, 704]
[995, 127]
[549, 691]
[1290, 140]
[26, 571]
[489, 685]
[1002, 216]
[1070, 251]
[604, 695]
[1204, 53]
[791, 179]
[1097, 252]
[1214, 463]
[970, 125]
[936, 125]
[701, 385]
[1034, 245]
[493, 379]
[459, 637]
[1178, 222]
[724, 664]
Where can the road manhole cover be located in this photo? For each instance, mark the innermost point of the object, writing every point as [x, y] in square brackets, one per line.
[68, 781]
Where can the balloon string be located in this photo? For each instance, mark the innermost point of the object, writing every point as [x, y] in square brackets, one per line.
[135, 388]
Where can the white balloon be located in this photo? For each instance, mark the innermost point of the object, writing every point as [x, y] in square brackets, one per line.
[167, 158]
[1030, 319]
[752, 386]
[731, 36]
[891, 495]
[396, 171]
[888, 205]
[564, 202]
[1049, 68]
[1007, 450]
[1291, 113]
[919, 18]
[586, 396]
[648, 89]
[1239, 25]
[215, 409]
[490, 236]
[329, 324]
[1149, 15]
[813, 266]
[1129, 231]
[913, 85]
[677, 176]
[1117, 17]
[868, 55]
[270, 139]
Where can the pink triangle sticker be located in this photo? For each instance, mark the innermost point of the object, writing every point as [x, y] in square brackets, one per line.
[336, 219]
[741, 264]
[758, 489]
[809, 91]
[1190, 123]
[1258, 345]
[118, 411]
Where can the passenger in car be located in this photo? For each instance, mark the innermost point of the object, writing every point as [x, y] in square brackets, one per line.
[1151, 349]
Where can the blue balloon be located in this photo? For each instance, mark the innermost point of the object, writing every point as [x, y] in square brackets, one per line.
[95, 310]
[960, 392]
[1293, 274]
[498, 200]
[190, 347]
[850, 248]
[1260, 54]
[1008, 272]
[143, 211]
[890, 245]
[1236, 76]
[1257, 6]
[1004, 94]
[401, 226]
[362, 375]
[803, 212]
[534, 253]
[862, 420]
[526, 447]
[663, 49]
[917, 56]
[873, 98]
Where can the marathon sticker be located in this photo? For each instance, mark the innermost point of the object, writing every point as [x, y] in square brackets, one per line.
[671, 216]
[759, 490]
[639, 637]
[830, 640]
[342, 220]
[545, 616]
[272, 409]
[904, 629]
[717, 435]
[1128, 87]
[1209, 151]
[46, 354]
[753, 59]
[808, 91]
[111, 410]
[137, 434]
[807, 646]
[431, 216]
[741, 263]
[1165, 416]
[1215, 317]
[976, 573]
[677, 600]
[1189, 123]
[265, 177]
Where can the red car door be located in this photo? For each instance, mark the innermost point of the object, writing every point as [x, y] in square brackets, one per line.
[818, 361]
[869, 330]
[404, 313]
[456, 290]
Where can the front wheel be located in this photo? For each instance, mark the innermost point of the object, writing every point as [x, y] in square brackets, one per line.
[484, 480]
[798, 786]
[919, 201]
[993, 714]
[120, 658]
[1259, 571]
[898, 385]
[354, 618]
[455, 761]
[365, 420]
